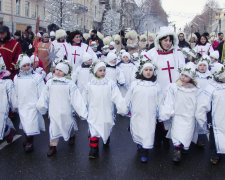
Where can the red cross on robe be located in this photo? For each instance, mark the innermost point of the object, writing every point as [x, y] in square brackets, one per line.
[75, 56]
[168, 68]
[202, 51]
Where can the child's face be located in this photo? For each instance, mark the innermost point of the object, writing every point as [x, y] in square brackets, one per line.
[213, 60]
[202, 68]
[111, 47]
[185, 79]
[203, 40]
[89, 62]
[125, 59]
[25, 67]
[117, 42]
[113, 62]
[190, 58]
[59, 73]
[94, 49]
[100, 72]
[148, 72]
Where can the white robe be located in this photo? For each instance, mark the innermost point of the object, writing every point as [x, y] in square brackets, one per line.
[180, 105]
[81, 76]
[28, 90]
[204, 49]
[60, 49]
[167, 65]
[8, 99]
[115, 74]
[129, 70]
[213, 94]
[61, 96]
[100, 96]
[75, 53]
[143, 99]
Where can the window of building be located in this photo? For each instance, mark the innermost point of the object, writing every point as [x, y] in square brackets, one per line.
[18, 7]
[36, 11]
[27, 8]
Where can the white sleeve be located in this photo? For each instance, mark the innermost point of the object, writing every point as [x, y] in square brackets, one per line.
[43, 102]
[90, 51]
[118, 100]
[75, 74]
[77, 101]
[120, 76]
[40, 86]
[128, 97]
[203, 106]
[181, 59]
[166, 109]
[11, 94]
[159, 99]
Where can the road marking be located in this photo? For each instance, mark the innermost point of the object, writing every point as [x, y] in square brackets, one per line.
[4, 144]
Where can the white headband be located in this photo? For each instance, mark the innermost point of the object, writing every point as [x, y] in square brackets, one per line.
[62, 67]
[147, 65]
[25, 60]
[98, 65]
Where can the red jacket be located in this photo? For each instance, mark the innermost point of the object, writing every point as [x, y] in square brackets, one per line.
[10, 52]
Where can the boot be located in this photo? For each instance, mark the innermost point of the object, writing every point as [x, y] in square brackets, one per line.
[28, 145]
[52, 150]
[9, 138]
[71, 140]
[106, 145]
[93, 153]
[144, 155]
[177, 155]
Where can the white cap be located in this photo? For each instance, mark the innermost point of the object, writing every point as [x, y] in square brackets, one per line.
[126, 54]
[24, 59]
[111, 56]
[32, 59]
[189, 70]
[112, 43]
[98, 65]
[148, 64]
[63, 67]
[52, 33]
[215, 54]
[86, 57]
[60, 33]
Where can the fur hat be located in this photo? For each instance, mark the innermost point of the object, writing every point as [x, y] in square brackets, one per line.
[86, 36]
[107, 40]
[215, 54]
[63, 66]
[100, 35]
[192, 35]
[126, 54]
[148, 34]
[117, 38]
[45, 35]
[163, 32]
[131, 35]
[143, 36]
[60, 33]
[86, 57]
[52, 33]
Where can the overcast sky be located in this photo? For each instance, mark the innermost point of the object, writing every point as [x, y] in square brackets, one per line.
[182, 11]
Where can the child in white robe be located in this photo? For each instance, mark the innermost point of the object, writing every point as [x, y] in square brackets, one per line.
[28, 87]
[143, 99]
[100, 95]
[61, 98]
[8, 100]
[36, 67]
[203, 79]
[204, 47]
[214, 58]
[179, 105]
[135, 58]
[129, 70]
[213, 98]
[81, 76]
[113, 72]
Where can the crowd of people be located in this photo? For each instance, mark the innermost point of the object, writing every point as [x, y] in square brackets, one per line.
[169, 87]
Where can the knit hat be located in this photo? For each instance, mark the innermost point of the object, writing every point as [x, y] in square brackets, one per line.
[122, 51]
[60, 33]
[111, 56]
[63, 66]
[215, 54]
[126, 54]
[105, 48]
[204, 60]
[189, 70]
[22, 59]
[96, 65]
[218, 71]
[143, 65]
[86, 57]
[117, 37]
[52, 33]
